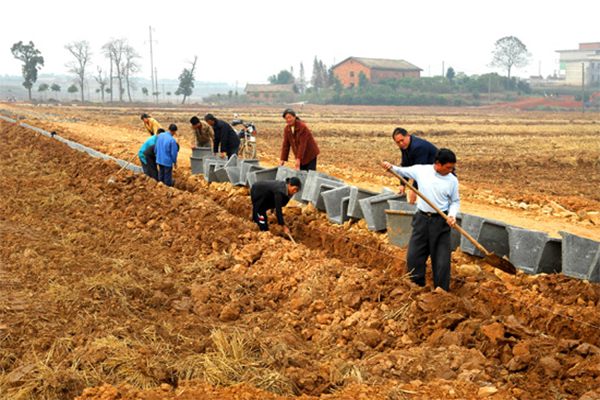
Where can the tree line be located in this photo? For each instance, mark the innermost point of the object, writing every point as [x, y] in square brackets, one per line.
[117, 81]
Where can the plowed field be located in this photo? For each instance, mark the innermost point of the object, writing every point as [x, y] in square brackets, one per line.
[132, 290]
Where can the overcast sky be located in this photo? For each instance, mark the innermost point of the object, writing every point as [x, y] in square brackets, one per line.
[247, 41]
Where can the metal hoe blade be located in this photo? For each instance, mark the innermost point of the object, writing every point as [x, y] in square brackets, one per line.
[498, 262]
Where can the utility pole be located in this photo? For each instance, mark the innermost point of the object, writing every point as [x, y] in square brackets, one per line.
[156, 84]
[151, 63]
[582, 88]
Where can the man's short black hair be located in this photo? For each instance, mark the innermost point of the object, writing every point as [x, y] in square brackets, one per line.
[144, 116]
[160, 130]
[294, 181]
[445, 156]
[209, 117]
[399, 131]
[194, 120]
[172, 128]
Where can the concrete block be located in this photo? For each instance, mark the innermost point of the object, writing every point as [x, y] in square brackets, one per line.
[308, 192]
[233, 173]
[472, 225]
[580, 257]
[494, 238]
[246, 166]
[201, 152]
[265, 174]
[284, 172]
[373, 208]
[399, 226]
[356, 194]
[221, 174]
[551, 257]
[526, 248]
[336, 204]
[322, 186]
[197, 165]
[210, 167]
[233, 161]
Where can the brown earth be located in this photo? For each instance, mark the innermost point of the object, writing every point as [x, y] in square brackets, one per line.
[134, 290]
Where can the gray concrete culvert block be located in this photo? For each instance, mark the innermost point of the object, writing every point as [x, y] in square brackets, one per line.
[580, 257]
[308, 193]
[221, 174]
[494, 238]
[526, 248]
[356, 194]
[197, 165]
[233, 173]
[264, 174]
[248, 165]
[210, 168]
[321, 186]
[373, 208]
[233, 161]
[284, 172]
[472, 225]
[334, 204]
[399, 226]
[201, 152]
[551, 257]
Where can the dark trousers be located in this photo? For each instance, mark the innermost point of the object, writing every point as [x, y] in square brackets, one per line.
[152, 168]
[165, 175]
[259, 216]
[233, 151]
[310, 166]
[430, 236]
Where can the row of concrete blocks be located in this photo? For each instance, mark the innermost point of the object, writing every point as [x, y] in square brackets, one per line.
[77, 146]
[533, 252]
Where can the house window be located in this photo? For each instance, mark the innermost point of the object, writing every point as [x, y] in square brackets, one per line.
[352, 74]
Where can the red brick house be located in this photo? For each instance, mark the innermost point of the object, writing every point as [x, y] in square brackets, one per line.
[376, 70]
[270, 92]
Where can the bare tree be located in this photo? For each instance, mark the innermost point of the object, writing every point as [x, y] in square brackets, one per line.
[130, 67]
[81, 52]
[114, 50]
[102, 81]
[508, 52]
[186, 81]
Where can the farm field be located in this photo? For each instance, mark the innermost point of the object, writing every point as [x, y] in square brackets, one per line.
[131, 290]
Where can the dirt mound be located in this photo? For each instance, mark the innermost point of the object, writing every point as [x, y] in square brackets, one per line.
[136, 290]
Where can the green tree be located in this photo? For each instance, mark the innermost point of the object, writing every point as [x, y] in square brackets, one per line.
[32, 61]
[510, 52]
[145, 91]
[73, 89]
[450, 74]
[55, 88]
[284, 77]
[186, 81]
[81, 52]
[43, 88]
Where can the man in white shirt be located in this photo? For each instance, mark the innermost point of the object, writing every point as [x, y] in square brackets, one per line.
[430, 235]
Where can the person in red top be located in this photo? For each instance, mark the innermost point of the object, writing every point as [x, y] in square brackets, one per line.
[297, 136]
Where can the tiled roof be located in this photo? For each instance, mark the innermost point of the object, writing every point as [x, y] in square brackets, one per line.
[381, 63]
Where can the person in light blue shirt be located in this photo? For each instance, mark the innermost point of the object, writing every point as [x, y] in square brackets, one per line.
[430, 235]
[151, 141]
[166, 150]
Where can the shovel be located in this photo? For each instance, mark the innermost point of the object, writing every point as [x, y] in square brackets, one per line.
[112, 179]
[493, 259]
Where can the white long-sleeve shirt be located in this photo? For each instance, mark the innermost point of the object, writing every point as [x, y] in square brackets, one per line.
[441, 190]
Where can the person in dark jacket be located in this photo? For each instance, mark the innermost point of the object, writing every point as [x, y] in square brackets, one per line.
[299, 138]
[224, 135]
[151, 166]
[268, 195]
[415, 151]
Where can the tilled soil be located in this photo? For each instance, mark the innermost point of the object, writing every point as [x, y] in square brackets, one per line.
[131, 290]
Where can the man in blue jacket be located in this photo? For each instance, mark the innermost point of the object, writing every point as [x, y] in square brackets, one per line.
[166, 150]
[415, 151]
[225, 135]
